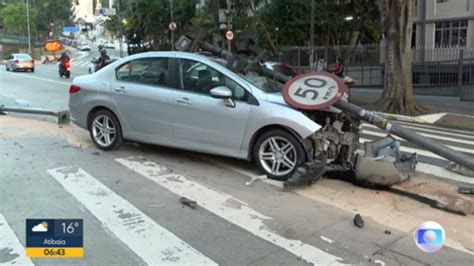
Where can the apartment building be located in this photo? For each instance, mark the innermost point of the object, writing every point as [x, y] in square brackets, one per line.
[443, 23]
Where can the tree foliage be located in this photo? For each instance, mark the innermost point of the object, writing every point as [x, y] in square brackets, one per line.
[15, 20]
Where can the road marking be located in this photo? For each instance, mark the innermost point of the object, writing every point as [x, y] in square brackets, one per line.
[442, 173]
[226, 207]
[438, 137]
[437, 127]
[153, 243]
[381, 134]
[410, 150]
[13, 253]
[43, 79]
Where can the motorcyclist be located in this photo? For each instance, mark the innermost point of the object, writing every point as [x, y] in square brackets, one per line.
[102, 59]
[64, 58]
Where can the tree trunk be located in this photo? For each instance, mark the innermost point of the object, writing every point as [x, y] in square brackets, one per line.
[398, 88]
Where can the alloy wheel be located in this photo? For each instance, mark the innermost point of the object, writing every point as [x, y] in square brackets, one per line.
[277, 156]
[103, 130]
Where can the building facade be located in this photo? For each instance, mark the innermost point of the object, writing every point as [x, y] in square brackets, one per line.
[443, 23]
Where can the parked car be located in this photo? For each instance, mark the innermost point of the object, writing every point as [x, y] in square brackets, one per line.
[189, 101]
[20, 62]
[282, 68]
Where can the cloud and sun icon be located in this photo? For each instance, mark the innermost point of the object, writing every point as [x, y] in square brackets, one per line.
[41, 227]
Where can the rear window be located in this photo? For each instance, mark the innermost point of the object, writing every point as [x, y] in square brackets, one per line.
[23, 56]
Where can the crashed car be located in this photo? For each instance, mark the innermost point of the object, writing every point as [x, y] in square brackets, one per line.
[193, 102]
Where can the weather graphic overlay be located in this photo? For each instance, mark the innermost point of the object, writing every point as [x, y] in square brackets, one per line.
[430, 236]
[54, 238]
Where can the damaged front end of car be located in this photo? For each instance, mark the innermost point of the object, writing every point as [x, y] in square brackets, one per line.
[334, 151]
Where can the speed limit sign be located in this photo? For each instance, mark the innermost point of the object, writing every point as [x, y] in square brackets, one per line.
[313, 91]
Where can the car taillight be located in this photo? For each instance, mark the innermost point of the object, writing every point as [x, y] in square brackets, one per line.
[74, 89]
[17, 61]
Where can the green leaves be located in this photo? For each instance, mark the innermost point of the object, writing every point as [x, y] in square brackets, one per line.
[15, 19]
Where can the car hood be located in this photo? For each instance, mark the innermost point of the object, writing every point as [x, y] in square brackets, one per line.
[277, 98]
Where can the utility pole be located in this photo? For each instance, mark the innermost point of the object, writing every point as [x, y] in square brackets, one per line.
[28, 25]
[172, 32]
[311, 39]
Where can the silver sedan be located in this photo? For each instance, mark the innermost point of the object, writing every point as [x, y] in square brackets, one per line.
[191, 102]
[20, 61]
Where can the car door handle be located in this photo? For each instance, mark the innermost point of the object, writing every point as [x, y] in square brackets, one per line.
[120, 89]
[184, 100]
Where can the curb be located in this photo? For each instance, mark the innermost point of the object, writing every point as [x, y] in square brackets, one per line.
[450, 120]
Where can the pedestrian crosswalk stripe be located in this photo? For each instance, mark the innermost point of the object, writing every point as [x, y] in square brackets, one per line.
[443, 173]
[380, 134]
[437, 128]
[431, 136]
[11, 247]
[151, 242]
[228, 208]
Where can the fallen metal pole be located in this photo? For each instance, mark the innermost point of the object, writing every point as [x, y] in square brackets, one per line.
[63, 116]
[407, 134]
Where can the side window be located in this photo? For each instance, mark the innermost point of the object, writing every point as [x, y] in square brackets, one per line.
[201, 78]
[152, 71]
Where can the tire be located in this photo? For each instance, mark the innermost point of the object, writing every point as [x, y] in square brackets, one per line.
[265, 146]
[32, 70]
[105, 116]
[68, 74]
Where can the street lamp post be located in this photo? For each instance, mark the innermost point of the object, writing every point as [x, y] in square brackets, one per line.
[28, 25]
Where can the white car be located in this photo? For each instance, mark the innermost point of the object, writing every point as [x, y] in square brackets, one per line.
[83, 47]
[109, 45]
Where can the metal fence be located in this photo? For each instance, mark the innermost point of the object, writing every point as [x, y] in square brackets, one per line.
[440, 68]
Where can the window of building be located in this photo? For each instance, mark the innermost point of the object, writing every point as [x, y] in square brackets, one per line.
[451, 33]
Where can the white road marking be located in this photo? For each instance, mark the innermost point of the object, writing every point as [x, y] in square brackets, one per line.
[381, 134]
[21, 101]
[438, 137]
[443, 173]
[10, 243]
[43, 79]
[228, 208]
[433, 130]
[153, 243]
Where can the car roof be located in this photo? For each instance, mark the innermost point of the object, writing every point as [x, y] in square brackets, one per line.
[15, 54]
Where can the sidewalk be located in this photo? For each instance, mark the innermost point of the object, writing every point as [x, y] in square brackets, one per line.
[452, 112]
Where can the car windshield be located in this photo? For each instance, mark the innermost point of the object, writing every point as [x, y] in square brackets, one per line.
[23, 56]
[262, 82]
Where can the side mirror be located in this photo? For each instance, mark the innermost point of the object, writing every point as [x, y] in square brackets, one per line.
[221, 92]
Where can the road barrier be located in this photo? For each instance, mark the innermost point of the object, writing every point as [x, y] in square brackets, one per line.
[63, 116]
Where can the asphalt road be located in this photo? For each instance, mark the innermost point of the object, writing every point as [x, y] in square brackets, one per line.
[129, 198]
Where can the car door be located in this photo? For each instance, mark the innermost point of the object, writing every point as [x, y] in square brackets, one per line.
[205, 123]
[144, 98]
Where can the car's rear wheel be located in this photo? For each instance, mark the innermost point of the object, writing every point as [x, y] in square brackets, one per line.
[278, 153]
[105, 130]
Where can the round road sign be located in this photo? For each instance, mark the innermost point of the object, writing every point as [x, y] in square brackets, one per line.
[313, 91]
[172, 26]
[229, 35]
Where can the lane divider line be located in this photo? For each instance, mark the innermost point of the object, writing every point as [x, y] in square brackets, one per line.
[10, 243]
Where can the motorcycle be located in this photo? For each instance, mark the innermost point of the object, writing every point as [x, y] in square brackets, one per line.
[65, 69]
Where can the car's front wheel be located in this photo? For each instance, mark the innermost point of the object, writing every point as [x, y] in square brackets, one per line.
[105, 130]
[278, 153]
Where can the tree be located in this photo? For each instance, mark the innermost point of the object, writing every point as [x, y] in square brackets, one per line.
[398, 88]
[15, 21]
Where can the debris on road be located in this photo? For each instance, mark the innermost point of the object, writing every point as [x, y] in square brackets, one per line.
[358, 221]
[255, 178]
[187, 202]
[388, 232]
[466, 190]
